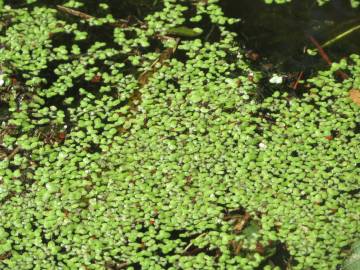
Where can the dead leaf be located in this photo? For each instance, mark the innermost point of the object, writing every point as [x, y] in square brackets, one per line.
[240, 224]
[355, 95]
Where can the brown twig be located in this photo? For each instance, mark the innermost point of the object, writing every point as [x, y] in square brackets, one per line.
[296, 84]
[14, 152]
[165, 55]
[74, 12]
[321, 50]
[326, 58]
[85, 16]
[241, 223]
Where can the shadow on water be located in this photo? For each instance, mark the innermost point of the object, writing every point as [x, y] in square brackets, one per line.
[278, 33]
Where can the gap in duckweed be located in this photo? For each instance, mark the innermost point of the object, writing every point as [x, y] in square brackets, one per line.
[279, 33]
[277, 38]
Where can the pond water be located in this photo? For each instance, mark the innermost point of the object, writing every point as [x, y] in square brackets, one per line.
[279, 33]
[276, 36]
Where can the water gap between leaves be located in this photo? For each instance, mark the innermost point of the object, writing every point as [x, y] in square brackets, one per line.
[277, 37]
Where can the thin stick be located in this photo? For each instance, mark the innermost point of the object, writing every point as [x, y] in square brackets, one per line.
[165, 55]
[74, 12]
[296, 84]
[321, 50]
[340, 36]
[14, 152]
[326, 58]
[190, 244]
[85, 16]
[210, 32]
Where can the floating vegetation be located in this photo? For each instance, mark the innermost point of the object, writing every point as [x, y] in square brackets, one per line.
[143, 143]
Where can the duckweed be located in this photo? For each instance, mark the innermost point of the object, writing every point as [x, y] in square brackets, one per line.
[141, 147]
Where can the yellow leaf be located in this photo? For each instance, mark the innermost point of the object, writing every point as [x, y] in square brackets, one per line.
[355, 95]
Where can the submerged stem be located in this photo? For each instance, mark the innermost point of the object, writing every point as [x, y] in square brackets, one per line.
[340, 36]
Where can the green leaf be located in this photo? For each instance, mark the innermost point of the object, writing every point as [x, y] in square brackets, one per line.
[183, 31]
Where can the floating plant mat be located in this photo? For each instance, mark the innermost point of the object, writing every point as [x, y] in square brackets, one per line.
[137, 141]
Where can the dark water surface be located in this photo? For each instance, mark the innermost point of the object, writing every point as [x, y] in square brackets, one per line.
[275, 36]
[279, 33]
